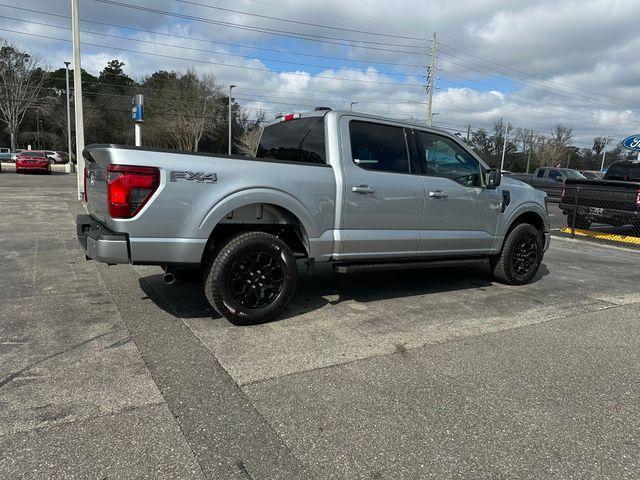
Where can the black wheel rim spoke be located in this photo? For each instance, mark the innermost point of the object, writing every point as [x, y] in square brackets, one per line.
[525, 256]
[257, 279]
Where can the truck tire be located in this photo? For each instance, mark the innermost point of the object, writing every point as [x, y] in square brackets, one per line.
[251, 279]
[521, 256]
[578, 221]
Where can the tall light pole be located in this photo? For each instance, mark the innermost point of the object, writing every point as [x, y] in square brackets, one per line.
[433, 114]
[231, 87]
[69, 166]
[607, 141]
[351, 104]
[77, 96]
[504, 145]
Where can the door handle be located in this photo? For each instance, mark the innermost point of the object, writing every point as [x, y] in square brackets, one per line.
[438, 194]
[362, 189]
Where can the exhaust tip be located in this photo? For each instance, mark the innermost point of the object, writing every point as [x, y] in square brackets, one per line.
[169, 278]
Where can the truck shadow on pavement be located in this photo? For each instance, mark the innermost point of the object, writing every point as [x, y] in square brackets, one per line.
[322, 286]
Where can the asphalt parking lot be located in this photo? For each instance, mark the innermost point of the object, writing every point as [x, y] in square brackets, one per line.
[105, 372]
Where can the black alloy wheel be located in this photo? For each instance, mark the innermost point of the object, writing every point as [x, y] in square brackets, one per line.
[525, 256]
[256, 280]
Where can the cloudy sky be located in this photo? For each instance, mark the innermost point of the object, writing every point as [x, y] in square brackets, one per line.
[535, 63]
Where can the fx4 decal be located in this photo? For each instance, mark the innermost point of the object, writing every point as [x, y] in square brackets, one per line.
[198, 177]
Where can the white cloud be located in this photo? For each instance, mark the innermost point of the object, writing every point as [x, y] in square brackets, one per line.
[550, 61]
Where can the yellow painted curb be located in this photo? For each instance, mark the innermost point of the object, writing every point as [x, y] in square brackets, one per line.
[604, 236]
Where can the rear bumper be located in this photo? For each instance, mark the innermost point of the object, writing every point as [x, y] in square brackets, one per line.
[40, 167]
[100, 243]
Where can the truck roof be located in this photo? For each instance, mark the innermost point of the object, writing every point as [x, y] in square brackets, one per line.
[367, 116]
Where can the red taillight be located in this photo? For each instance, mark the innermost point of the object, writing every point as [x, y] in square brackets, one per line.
[129, 188]
[84, 184]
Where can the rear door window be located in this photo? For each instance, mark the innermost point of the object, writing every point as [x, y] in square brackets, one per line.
[300, 140]
[540, 173]
[379, 147]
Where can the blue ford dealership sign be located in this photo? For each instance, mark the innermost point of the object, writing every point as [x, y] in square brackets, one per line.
[632, 143]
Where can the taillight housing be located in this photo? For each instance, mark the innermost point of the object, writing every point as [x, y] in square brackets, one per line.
[129, 188]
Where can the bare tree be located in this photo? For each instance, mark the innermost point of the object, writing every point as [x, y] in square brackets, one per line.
[183, 106]
[249, 139]
[21, 80]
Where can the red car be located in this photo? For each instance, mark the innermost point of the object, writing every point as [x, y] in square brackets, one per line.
[32, 160]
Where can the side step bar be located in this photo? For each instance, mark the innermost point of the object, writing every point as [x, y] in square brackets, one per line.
[438, 263]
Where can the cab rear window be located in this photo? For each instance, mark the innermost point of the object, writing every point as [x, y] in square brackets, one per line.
[300, 140]
[621, 171]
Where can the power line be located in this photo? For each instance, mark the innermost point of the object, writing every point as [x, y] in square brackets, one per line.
[308, 24]
[199, 39]
[270, 31]
[244, 67]
[529, 83]
[208, 51]
[520, 72]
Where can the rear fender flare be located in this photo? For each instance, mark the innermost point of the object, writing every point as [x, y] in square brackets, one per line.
[243, 198]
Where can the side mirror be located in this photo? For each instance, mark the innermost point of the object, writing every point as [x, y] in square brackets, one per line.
[494, 177]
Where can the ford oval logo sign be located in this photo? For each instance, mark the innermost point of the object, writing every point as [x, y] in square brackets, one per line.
[632, 143]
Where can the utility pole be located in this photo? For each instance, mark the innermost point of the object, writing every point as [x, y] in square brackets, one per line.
[231, 87]
[38, 129]
[69, 166]
[468, 132]
[77, 96]
[431, 78]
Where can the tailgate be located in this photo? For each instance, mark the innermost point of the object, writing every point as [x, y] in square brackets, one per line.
[610, 195]
[96, 165]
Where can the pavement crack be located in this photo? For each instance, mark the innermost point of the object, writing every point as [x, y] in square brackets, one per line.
[15, 375]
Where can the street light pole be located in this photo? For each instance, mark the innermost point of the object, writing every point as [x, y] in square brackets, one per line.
[77, 96]
[504, 145]
[69, 166]
[231, 87]
[604, 151]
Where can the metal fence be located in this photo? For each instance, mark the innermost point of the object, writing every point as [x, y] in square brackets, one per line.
[607, 213]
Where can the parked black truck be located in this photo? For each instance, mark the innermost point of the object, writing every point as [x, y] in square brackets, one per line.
[549, 180]
[614, 200]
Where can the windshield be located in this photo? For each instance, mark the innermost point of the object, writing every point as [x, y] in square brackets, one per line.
[300, 140]
[574, 175]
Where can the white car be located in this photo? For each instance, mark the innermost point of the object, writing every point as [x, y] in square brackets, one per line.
[56, 157]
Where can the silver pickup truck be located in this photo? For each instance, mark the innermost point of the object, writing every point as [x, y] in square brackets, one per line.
[359, 191]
